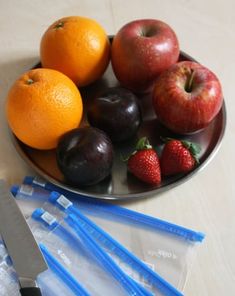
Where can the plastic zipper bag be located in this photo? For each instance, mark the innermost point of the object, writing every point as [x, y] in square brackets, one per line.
[128, 261]
[165, 247]
[52, 282]
[132, 265]
[62, 274]
[98, 275]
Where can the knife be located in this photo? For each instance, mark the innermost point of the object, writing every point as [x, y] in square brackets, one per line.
[25, 254]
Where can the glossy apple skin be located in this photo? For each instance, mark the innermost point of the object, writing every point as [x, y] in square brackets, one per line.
[85, 156]
[182, 111]
[141, 50]
[116, 112]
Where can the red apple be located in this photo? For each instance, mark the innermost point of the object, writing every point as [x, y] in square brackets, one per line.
[187, 97]
[141, 50]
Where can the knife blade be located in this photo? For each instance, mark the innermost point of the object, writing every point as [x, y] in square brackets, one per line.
[21, 245]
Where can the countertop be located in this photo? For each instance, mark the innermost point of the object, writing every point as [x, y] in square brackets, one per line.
[205, 30]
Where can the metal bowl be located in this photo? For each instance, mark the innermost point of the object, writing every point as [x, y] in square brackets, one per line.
[121, 185]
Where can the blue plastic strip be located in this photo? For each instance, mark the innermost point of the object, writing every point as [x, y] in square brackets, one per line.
[63, 273]
[41, 215]
[123, 212]
[156, 223]
[128, 284]
[114, 246]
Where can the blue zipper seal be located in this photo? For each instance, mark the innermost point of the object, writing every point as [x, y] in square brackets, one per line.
[130, 285]
[126, 282]
[63, 273]
[156, 223]
[114, 246]
[153, 222]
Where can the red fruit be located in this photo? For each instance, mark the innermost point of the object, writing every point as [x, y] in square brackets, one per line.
[178, 157]
[141, 50]
[187, 97]
[144, 163]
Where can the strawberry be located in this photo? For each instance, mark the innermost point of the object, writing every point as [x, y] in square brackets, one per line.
[178, 157]
[144, 163]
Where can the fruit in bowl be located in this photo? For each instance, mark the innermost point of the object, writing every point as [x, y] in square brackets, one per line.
[179, 157]
[187, 97]
[144, 164]
[85, 156]
[141, 50]
[115, 111]
[41, 106]
[76, 46]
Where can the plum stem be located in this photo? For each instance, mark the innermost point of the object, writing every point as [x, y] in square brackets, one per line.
[189, 83]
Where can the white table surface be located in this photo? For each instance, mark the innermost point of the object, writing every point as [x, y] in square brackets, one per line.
[206, 31]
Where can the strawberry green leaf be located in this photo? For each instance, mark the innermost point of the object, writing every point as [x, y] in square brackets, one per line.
[186, 144]
[194, 149]
[143, 143]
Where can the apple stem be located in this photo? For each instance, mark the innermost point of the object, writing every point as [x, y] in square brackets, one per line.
[189, 82]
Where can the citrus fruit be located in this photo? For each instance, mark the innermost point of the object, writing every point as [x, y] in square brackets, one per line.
[76, 46]
[41, 106]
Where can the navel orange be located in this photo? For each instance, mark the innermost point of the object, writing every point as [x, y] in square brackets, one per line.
[76, 46]
[41, 106]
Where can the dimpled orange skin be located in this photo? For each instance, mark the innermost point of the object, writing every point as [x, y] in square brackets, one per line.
[41, 106]
[78, 47]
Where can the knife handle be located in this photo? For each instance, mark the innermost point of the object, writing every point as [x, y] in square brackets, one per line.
[33, 291]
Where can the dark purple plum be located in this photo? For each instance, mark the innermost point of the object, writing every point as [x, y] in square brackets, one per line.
[116, 111]
[85, 156]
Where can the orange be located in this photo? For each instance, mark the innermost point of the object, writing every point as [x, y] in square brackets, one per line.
[41, 106]
[76, 46]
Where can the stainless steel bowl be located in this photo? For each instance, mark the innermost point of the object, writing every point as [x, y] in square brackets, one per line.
[121, 185]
